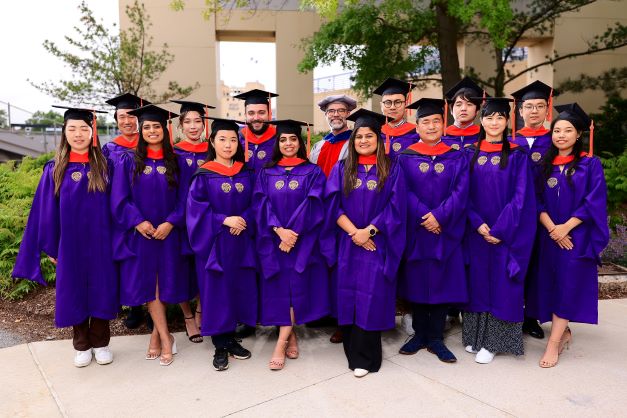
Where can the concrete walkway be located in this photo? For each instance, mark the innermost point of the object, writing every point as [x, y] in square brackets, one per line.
[38, 379]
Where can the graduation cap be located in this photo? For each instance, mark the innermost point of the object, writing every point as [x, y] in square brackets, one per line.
[86, 115]
[127, 101]
[257, 96]
[201, 108]
[537, 90]
[393, 86]
[369, 119]
[155, 114]
[573, 113]
[469, 87]
[220, 124]
[295, 127]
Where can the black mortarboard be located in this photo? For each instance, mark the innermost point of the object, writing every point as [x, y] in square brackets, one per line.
[219, 124]
[256, 96]
[127, 101]
[78, 113]
[186, 106]
[496, 105]
[153, 113]
[471, 89]
[393, 86]
[427, 107]
[535, 90]
[291, 126]
[364, 117]
[573, 113]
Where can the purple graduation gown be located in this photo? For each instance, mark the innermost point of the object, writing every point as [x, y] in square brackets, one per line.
[504, 199]
[400, 138]
[74, 228]
[459, 139]
[366, 281]
[291, 199]
[258, 155]
[536, 152]
[433, 268]
[565, 282]
[144, 261]
[113, 151]
[225, 264]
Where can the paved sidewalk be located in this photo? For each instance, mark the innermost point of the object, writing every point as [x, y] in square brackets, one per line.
[38, 380]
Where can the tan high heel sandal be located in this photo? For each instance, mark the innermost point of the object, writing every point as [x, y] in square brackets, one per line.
[548, 364]
[566, 341]
[277, 363]
[292, 349]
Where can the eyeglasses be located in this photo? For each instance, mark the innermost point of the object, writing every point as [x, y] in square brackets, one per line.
[530, 107]
[397, 103]
[336, 112]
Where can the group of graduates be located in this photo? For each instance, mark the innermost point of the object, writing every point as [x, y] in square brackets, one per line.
[259, 228]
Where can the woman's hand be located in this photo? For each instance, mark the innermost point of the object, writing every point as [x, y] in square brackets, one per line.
[163, 231]
[146, 229]
[235, 223]
[566, 243]
[360, 237]
[285, 247]
[287, 236]
[483, 230]
[492, 240]
[431, 224]
[559, 232]
[369, 245]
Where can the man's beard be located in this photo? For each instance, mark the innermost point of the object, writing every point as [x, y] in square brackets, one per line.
[264, 128]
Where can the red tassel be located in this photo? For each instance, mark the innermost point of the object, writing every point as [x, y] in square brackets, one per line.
[270, 105]
[445, 116]
[550, 114]
[94, 128]
[141, 102]
[483, 102]
[308, 140]
[246, 144]
[387, 139]
[409, 100]
[591, 145]
[170, 131]
[206, 123]
[514, 121]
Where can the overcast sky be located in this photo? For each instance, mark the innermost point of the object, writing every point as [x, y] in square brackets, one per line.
[25, 24]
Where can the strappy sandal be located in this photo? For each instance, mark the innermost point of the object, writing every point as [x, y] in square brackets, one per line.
[545, 364]
[567, 339]
[292, 347]
[199, 322]
[196, 338]
[277, 363]
[153, 353]
[167, 359]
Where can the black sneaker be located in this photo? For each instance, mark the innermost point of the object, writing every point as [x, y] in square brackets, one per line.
[134, 318]
[237, 351]
[221, 359]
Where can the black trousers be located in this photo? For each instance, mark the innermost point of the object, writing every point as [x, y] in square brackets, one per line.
[428, 321]
[91, 333]
[223, 340]
[362, 348]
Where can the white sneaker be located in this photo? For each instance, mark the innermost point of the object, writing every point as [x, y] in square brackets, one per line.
[82, 358]
[103, 355]
[470, 350]
[360, 372]
[406, 325]
[484, 356]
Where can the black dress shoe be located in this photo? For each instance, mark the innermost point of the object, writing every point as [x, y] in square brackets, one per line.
[243, 331]
[134, 318]
[533, 328]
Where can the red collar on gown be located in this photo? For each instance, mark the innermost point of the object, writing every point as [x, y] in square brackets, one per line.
[123, 142]
[188, 146]
[455, 131]
[425, 149]
[531, 132]
[154, 155]
[405, 128]
[490, 147]
[291, 162]
[79, 158]
[367, 160]
[253, 139]
[219, 168]
[565, 159]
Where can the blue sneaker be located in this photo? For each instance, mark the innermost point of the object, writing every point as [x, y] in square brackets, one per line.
[415, 344]
[439, 349]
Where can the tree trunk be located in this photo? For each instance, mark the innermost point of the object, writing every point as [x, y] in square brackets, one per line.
[499, 80]
[447, 31]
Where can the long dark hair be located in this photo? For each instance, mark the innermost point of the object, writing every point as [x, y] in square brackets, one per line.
[505, 150]
[99, 171]
[276, 150]
[547, 162]
[211, 150]
[352, 159]
[169, 158]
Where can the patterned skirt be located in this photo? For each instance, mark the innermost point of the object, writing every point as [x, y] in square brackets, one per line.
[483, 330]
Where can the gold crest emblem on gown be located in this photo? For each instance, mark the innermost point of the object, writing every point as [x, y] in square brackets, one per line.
[261, 154]
[293, 184]
[455, 146]
[250, 154]
[200, 162]
[358, 184]
[482, 160]
[552, 182]
[147, 169]
[424, 167]
[397, 146]
[279, 184]
[536, 156]
[161, 169]
[226, 187]
[495, 160]
[371, 184]
[239, 187]
[77, 176]
[189, 161]
[439, 167]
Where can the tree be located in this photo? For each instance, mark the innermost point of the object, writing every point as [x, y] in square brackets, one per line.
[3, 119]
[104, 64]
[610, 133]
[360, 34]
[610, 82]
[45, 118]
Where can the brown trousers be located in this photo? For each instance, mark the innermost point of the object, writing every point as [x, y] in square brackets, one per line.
[91, 333]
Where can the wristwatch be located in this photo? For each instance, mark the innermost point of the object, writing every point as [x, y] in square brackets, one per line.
[372, 232]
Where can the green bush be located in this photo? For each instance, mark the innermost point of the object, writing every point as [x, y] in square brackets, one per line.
[615, 169]
[18, 182]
